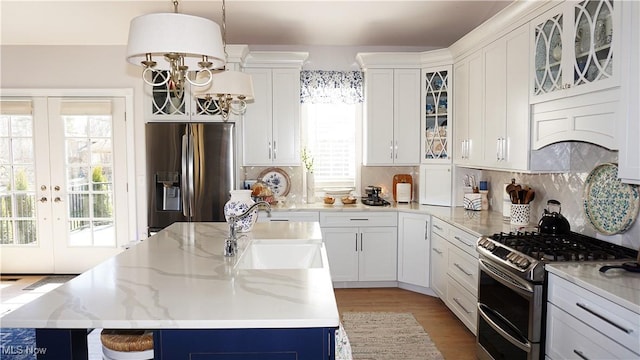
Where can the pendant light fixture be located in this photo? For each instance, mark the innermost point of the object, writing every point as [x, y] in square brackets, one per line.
[169, 45]
[229, 89]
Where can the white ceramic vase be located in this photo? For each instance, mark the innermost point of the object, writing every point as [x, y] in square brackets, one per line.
[239, 202]
[311, 185]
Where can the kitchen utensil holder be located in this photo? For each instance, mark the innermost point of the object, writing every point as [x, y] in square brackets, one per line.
[520, 214]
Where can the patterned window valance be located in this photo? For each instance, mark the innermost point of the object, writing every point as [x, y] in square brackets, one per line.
[330, 87]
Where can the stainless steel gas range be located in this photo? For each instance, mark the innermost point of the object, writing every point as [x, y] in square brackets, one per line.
[512, 290]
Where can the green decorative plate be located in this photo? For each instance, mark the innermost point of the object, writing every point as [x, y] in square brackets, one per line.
[610, 205]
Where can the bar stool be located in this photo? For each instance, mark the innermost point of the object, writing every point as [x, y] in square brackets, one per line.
[118, 344]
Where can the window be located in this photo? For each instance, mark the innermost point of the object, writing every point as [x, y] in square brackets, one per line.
[331, 138]
[331, 124]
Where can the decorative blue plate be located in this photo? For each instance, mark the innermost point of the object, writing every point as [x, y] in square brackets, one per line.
[277, 180]
[610, 205]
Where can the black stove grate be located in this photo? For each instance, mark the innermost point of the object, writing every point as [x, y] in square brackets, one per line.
[564, 247]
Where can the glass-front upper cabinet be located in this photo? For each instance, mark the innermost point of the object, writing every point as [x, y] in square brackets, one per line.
[436, 120]
[573, 49]
[168, 103]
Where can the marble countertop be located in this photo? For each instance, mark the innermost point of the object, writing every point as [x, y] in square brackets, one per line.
[179, 278]
[619, 286]
[476, 222]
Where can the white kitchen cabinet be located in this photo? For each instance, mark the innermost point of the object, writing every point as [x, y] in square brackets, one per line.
[436, 119]
[361, 246]
[163, 104]
[436, 184]
[468, 97]
[506, 105]
[629, 129]
[413, 249]
[438, 262]
[584, 324]
[454, 270]
[575, 49]
[392, 117]
[271, 124]
[576, 67]
[492, 109]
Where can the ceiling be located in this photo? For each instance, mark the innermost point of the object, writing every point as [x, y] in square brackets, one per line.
[422, 24]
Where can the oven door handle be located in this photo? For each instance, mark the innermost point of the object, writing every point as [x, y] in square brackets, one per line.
[517, 285]
[485, 312]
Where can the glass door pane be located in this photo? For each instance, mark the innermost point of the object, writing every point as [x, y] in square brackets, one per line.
[17, 181]
[89, 179]
[593, 35]
[548, 55]
[436, 115]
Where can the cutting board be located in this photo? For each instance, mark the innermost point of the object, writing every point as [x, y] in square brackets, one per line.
[401, 178]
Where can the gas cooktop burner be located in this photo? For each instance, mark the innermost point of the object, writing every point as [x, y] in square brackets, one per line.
[525, 253]
[564, 247]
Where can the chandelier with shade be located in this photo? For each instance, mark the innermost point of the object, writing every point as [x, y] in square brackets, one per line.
[175, 49]
[229, 89]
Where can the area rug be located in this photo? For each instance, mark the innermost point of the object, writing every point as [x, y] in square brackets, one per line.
[386, 335]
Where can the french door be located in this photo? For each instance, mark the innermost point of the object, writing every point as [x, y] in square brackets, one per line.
[63, 183]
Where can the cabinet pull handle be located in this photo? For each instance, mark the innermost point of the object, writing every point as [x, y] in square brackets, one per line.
[462, 306]
[275, 150]
[462, 269]
[356, 242]
[504, 149]
[580, 354]
[361, 248]
[391, 149]
[498, 149]
[595, 313]
[357, 219]
[272, 220]
[438, 251]
[437, 227]
[269, 148]
[462, 241]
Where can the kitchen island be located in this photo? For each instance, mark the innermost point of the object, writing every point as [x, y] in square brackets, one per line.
[179, 284]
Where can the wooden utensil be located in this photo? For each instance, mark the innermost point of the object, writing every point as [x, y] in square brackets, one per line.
[529, 196]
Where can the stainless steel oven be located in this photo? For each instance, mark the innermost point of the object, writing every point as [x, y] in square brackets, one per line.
[510, 311]
[512, 290]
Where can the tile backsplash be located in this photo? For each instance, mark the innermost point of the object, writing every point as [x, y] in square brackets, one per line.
[565, 187]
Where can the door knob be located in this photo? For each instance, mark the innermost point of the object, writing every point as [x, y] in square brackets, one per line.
[43, 187]
[56, 188]
[43, 199]
[57, 199]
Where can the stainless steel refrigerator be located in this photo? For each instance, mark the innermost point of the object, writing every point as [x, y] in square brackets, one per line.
[190, 171]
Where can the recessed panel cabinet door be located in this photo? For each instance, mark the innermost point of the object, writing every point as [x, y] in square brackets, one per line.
[378, 254]
[342, 246]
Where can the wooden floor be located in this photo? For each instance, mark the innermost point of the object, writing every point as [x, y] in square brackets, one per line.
[451, 337]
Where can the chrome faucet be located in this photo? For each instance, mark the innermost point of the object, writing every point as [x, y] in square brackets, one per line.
[231, 243]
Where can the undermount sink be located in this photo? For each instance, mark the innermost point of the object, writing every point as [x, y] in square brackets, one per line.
[282, 254]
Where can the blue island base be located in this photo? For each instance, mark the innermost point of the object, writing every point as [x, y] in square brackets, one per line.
[243, 344]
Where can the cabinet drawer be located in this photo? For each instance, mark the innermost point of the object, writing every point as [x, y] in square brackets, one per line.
[610, 319]
[464, 269]
[440, 227]
[570, 338]
[463, 304]
[290, 216]
[355, 218]
[464, 241]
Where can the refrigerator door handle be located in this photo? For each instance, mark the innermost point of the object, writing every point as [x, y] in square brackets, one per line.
[191, 183]
[184, 185]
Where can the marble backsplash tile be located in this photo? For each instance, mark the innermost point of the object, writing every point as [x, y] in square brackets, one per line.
[565, 187]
